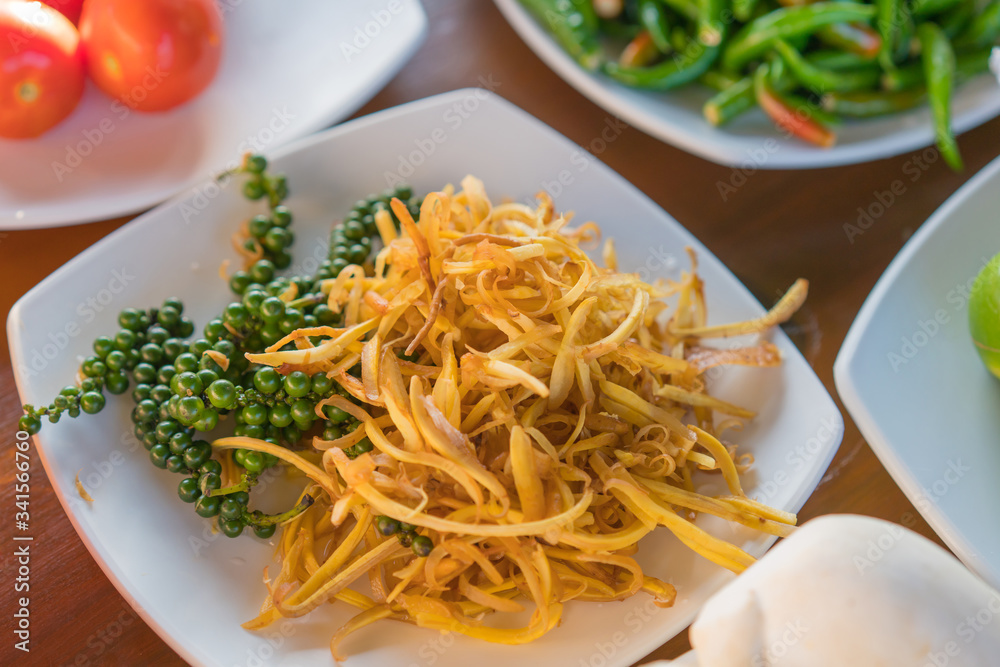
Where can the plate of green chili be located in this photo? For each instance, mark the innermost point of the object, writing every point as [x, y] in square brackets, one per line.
[777, 84]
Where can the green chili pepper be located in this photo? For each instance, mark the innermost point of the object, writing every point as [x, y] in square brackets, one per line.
[730, 102]
[756, 37]
[955, 20]
[717, 80]
[689, 9]
[925, 8]
[653, 18]
[967, 65]
[684, 66]
[984, 29]
[820, 80]
[792, 115]
[852, 37]
[574, 25]
[743, 9]
[889, 22]
[939, 71]
[838, 61]
[868, 103]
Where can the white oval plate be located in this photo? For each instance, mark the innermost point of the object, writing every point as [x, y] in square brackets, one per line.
[750, 141]
[195, 594]
[912, 380]
[289, 68]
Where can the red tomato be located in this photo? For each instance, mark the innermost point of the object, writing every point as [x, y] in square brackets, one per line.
[69, 8]
[41, 68]
[152, 54]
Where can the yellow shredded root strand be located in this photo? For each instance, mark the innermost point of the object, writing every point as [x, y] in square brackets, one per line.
[528, 417]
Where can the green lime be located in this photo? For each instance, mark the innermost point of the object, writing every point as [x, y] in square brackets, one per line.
[984, 315]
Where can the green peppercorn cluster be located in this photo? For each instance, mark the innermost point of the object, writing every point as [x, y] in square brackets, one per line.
[406, 533]
[351, 240]
[186, 386]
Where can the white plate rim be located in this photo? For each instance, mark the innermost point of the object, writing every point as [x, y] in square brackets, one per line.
[847, 387]
[726, 149]
[158, 621]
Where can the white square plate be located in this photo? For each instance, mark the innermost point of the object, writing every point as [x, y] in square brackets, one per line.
[153, 547]
[912, 380]
[751, 140]
[288, 69]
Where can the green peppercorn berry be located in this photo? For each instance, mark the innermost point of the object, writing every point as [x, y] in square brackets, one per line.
[406, 538]
[364, 445]
[253, 189]
[238, 282]
[264, 532]
[215, 330]
[141, 392]
[280, 415]
[277, 239]
[199, 347]
[186, 362]
[230, 528]
[151, 353]
[186, 384]
[103, 345]
[168, 317]
[422, 545]
[254, 414]
[335, 414]
[144, 373]
[207, 377]
[236, 315]
[357, 254]
[255, 164]
[208, 420]
[272, 309]
[291, 434]
[207, 506]
[165, 374]
[293, 319]
[267, 381]
[222, 394]
[116, 382]
[184, 328]
[386, 525]
[176, 464]
[188, 490]
[94, 367]
[302, 411]
[297, 384]
[210, 466]
[332, 433]
[252, 299]
[209, 482]
[190, 409]
[338, 264]
[253, 431]
[129, 319]
[158, 454]
[339, 251]
[230, 509]
[173, 347]
[253, 461]
[92, 402]
[262, 271]
[179, 443]
[30, 424]
[281, 216]
[259, 226]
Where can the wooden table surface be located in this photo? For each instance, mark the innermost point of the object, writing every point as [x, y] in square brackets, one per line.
[778, 226]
